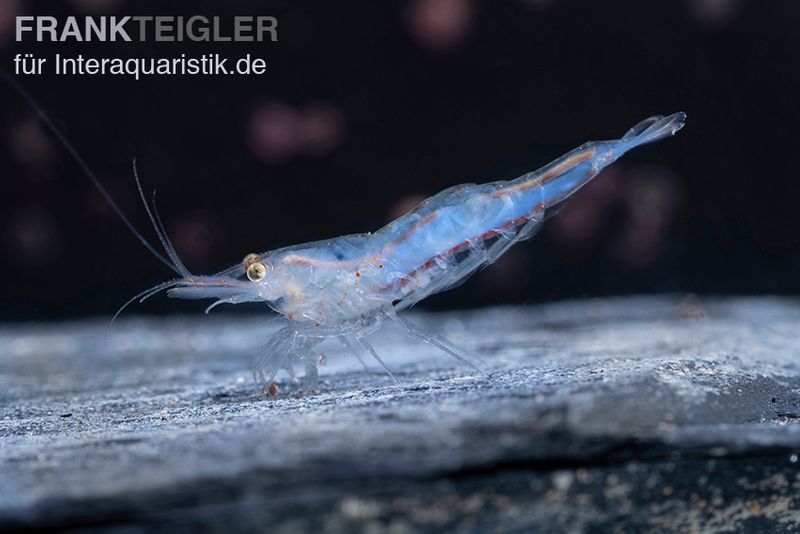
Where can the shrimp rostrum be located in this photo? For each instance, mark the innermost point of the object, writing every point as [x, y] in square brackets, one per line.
[346, 287]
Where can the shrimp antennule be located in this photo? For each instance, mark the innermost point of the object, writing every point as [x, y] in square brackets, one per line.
[174, 262]
[158, 226]
[88, 171]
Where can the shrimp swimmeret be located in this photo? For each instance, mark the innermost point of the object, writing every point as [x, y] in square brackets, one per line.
[347, 286]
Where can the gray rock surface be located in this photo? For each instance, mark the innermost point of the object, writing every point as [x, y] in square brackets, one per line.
[635, 413]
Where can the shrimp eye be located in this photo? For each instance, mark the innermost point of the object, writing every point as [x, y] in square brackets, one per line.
[250, 258]
[256, 271]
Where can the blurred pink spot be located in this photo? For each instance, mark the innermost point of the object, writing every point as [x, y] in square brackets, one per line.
[510, 274]
[277, 131]
[97, 6]
[404, 205]
[321, 128]
[273, 132]
[195, 236]
[30, 144]
[32, 236]
[440, 25]
[9, 9]
[651, 199]
[585, 215]
[715, 13]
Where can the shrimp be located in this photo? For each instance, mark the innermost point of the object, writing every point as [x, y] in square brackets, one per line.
[346, 287]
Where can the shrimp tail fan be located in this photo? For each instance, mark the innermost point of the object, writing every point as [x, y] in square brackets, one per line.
[655, 128]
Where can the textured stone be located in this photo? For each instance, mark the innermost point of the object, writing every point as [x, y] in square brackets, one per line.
[645, 413]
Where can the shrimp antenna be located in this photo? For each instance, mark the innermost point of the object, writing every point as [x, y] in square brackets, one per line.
[141, 297]
[179, 269]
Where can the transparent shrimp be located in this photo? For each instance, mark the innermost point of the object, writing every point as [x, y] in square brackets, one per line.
[345, 287]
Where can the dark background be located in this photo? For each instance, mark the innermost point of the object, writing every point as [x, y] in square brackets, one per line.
[366, 106]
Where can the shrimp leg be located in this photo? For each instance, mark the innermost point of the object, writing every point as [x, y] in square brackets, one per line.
[272, 357]
[360, 337]
[416, 332]
[301, 352]
[344, 340]
[286, 345]
[366, 330]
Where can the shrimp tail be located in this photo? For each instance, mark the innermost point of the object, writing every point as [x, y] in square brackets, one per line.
[653, 129]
